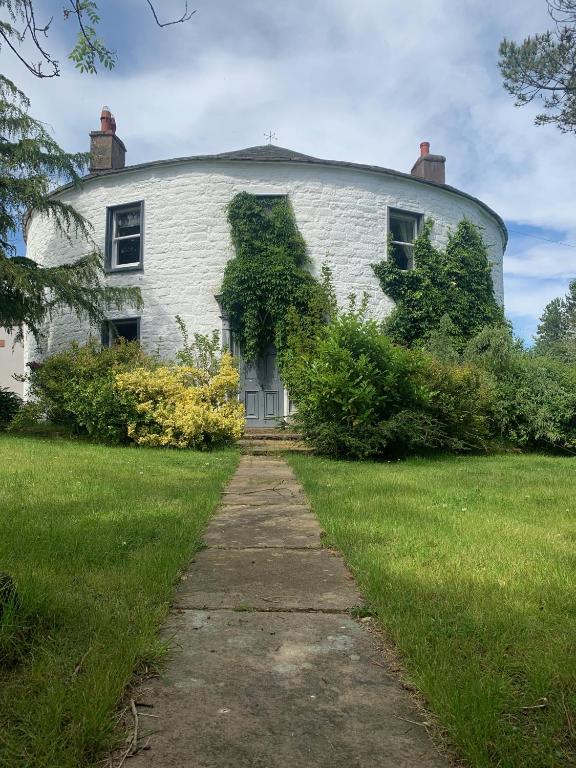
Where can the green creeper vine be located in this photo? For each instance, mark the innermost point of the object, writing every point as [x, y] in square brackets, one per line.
[267, 281]
[451, 284]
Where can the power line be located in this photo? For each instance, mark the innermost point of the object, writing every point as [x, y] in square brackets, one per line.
[544, 239]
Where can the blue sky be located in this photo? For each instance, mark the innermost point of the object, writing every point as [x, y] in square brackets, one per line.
[358, 80]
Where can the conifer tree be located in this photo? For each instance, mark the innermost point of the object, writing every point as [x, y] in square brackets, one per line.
[542, 68]
[31, 163]
[556, 333]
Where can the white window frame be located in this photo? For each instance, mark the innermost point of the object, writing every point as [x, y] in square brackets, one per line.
[412, 216]
[112, 239]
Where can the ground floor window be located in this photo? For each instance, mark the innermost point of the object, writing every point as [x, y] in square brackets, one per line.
[127, 328]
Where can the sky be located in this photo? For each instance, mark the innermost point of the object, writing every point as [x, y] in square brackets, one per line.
[358, 80]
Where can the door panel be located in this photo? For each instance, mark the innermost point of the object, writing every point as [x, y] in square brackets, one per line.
[251, 404]
[261, 390]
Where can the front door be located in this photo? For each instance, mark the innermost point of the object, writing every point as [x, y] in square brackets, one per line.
[261, 391]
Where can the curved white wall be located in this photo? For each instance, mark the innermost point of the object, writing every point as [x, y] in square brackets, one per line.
[340, 211]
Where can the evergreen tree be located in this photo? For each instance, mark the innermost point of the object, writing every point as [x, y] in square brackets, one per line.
[31, 162]
[552, 326]
[543, 67]
[454, 283]
[556, 333]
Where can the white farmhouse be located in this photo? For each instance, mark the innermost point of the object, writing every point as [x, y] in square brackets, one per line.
[163, 227]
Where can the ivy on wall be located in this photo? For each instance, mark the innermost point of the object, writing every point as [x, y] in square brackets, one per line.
[454, 282]
[267, 281]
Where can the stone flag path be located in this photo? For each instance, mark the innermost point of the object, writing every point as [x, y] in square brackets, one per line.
[267, 669]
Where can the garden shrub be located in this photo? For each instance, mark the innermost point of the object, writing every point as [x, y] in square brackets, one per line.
[361, 396]
[534, 402]
[75, 388]
[182, 406]
[10, 404]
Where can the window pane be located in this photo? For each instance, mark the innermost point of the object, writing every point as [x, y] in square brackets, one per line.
[128, 251]
[125, 329]
[128, 222]
[402, 228]
[403, 256]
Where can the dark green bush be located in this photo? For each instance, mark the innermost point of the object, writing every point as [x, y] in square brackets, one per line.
[75, 388]
[534, 396]
[359, 395]
[10, 404]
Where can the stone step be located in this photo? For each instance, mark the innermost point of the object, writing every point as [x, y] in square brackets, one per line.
[263, 434]
[267, 447]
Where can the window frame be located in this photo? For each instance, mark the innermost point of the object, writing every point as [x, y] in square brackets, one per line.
[111, 212]
[106, 337]
[416, 218]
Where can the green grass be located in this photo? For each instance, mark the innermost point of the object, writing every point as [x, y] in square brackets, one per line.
[470, 566]
[95, 538]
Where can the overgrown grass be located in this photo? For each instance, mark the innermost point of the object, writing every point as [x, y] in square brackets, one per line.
[470, 566]
[95, 538]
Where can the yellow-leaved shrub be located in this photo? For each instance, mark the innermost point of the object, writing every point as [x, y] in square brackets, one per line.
[184, 407]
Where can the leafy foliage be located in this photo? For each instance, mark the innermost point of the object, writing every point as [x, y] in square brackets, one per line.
[268, 276]
[184, 407]
[89, 48]
[454, 282]
[201, 352]
[543, 67]
[556, 334]
[31, 162]
[119, 394]
[10, 404]
[359, 395]
[76, 388]
[26, 36]
[534, 396]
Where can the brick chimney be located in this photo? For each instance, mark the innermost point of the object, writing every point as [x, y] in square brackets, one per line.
[107, 152]
[430, 167]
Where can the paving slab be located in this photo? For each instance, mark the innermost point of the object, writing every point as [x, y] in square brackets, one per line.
[283, 690]
[268, 579]
[279, 525]
[267, 670]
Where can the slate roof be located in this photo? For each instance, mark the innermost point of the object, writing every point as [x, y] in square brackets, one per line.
[267, 152]
[270, 153]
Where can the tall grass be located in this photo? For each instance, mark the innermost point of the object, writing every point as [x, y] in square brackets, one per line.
[470, 566]
[94, 538]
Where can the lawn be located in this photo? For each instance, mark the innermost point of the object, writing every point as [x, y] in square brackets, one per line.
[95, 538]
[470, 566]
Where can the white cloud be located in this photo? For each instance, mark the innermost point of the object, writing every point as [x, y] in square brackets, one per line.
[362, 80]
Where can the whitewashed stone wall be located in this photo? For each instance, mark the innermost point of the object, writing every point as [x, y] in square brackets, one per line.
[341, 212]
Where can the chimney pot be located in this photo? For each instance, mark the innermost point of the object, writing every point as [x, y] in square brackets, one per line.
[424, 148]
[105, 120]
[107, 151]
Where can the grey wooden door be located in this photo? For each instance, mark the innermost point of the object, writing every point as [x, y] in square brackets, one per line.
[261, 391]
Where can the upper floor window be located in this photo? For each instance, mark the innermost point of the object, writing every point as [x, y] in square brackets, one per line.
[124, 227]
[403, 227]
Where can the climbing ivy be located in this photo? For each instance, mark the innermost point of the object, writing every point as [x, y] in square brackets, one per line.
[451, 284]
[267, 281]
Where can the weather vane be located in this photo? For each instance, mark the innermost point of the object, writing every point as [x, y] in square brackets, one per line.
[270, 136]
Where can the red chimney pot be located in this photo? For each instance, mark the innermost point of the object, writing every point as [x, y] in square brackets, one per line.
[106, 120]
[424, 148]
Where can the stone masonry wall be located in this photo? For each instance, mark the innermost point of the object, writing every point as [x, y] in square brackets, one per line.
[341, 212]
